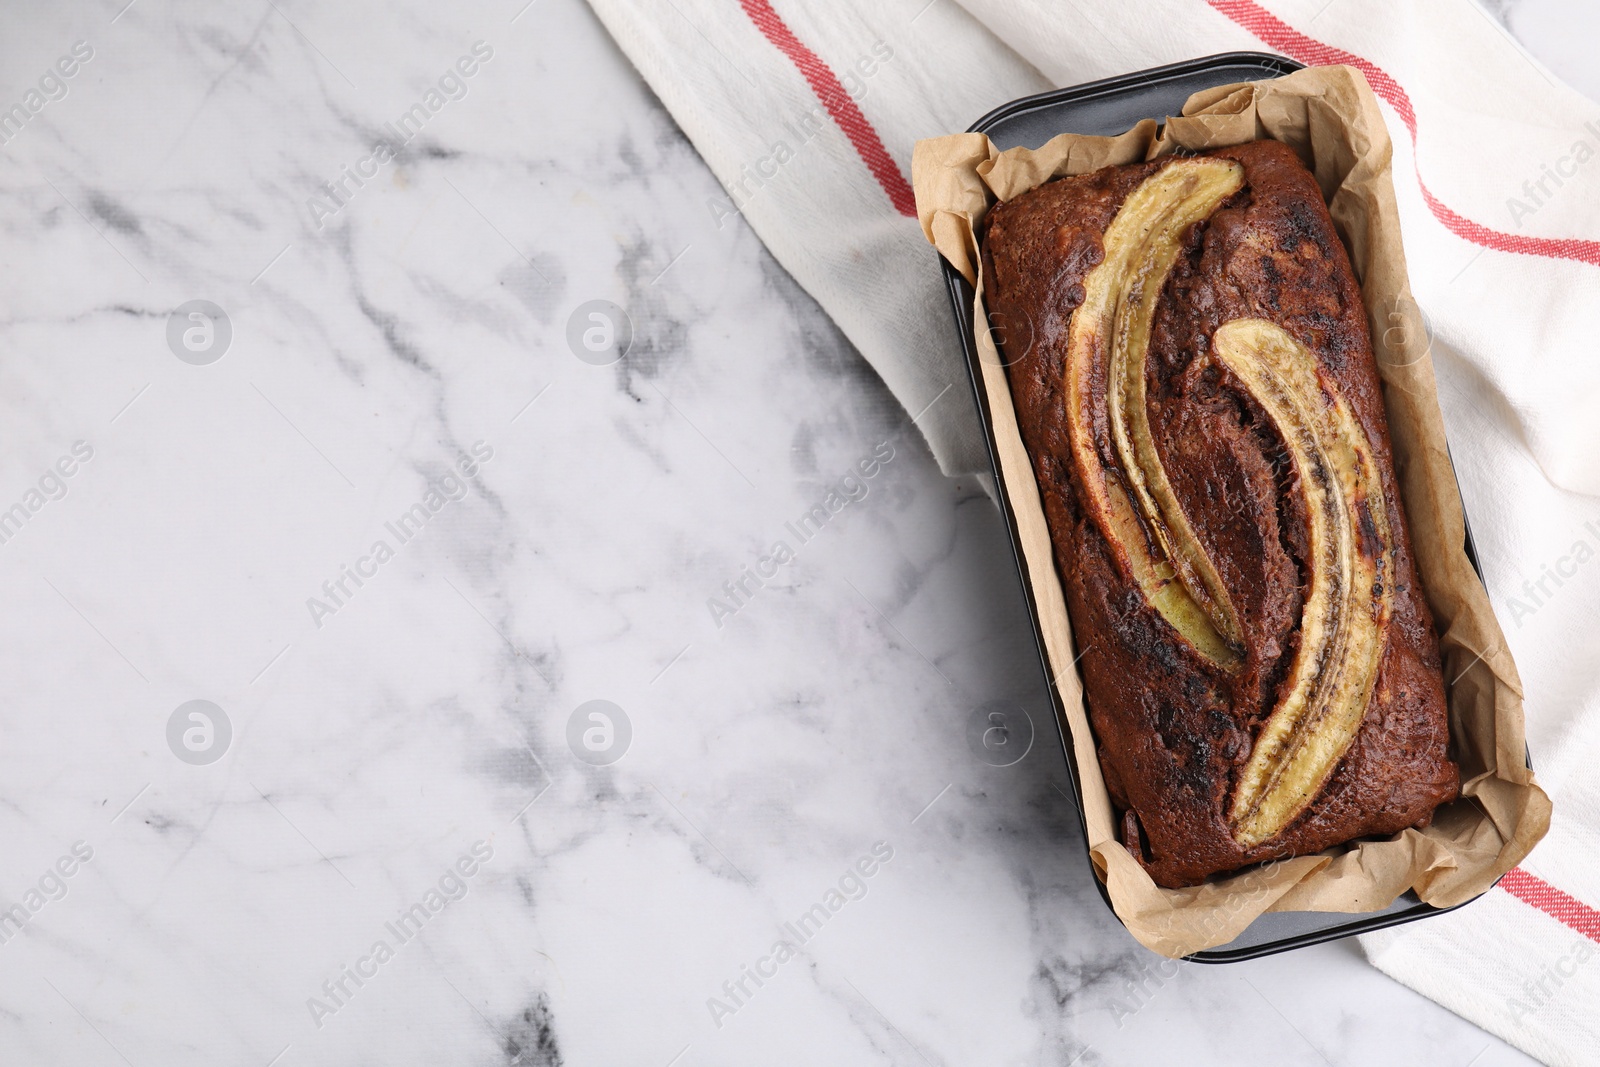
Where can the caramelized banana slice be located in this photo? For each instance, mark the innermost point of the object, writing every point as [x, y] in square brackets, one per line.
[1138, 511]
[1349, 597]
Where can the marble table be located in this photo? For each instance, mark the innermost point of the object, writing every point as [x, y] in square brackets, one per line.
[396, 675]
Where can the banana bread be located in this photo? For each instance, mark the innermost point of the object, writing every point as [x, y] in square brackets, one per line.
[1189, 359]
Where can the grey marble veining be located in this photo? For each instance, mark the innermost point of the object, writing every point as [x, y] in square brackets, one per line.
[384, 838]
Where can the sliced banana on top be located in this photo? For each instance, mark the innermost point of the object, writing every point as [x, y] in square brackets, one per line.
[1135, 505]
[1348, 595]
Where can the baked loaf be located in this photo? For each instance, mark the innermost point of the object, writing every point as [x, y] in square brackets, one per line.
[1189, 359]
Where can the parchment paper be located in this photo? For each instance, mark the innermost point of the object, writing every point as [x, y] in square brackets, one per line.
[1329, 116]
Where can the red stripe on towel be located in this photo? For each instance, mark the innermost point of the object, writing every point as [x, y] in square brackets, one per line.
[1285, 38]
[838, 104]
[1538, 893]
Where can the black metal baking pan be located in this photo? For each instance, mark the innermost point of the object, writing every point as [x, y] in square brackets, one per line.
[1107, 108]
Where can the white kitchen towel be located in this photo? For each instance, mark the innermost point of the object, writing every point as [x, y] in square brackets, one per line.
[807, 110]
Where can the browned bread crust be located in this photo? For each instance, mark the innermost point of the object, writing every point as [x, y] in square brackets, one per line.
[1174, 728]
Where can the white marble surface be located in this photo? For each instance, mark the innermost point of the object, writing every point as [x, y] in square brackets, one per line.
[375, 743]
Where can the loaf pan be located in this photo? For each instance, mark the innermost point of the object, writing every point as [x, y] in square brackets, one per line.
[1107, 108]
